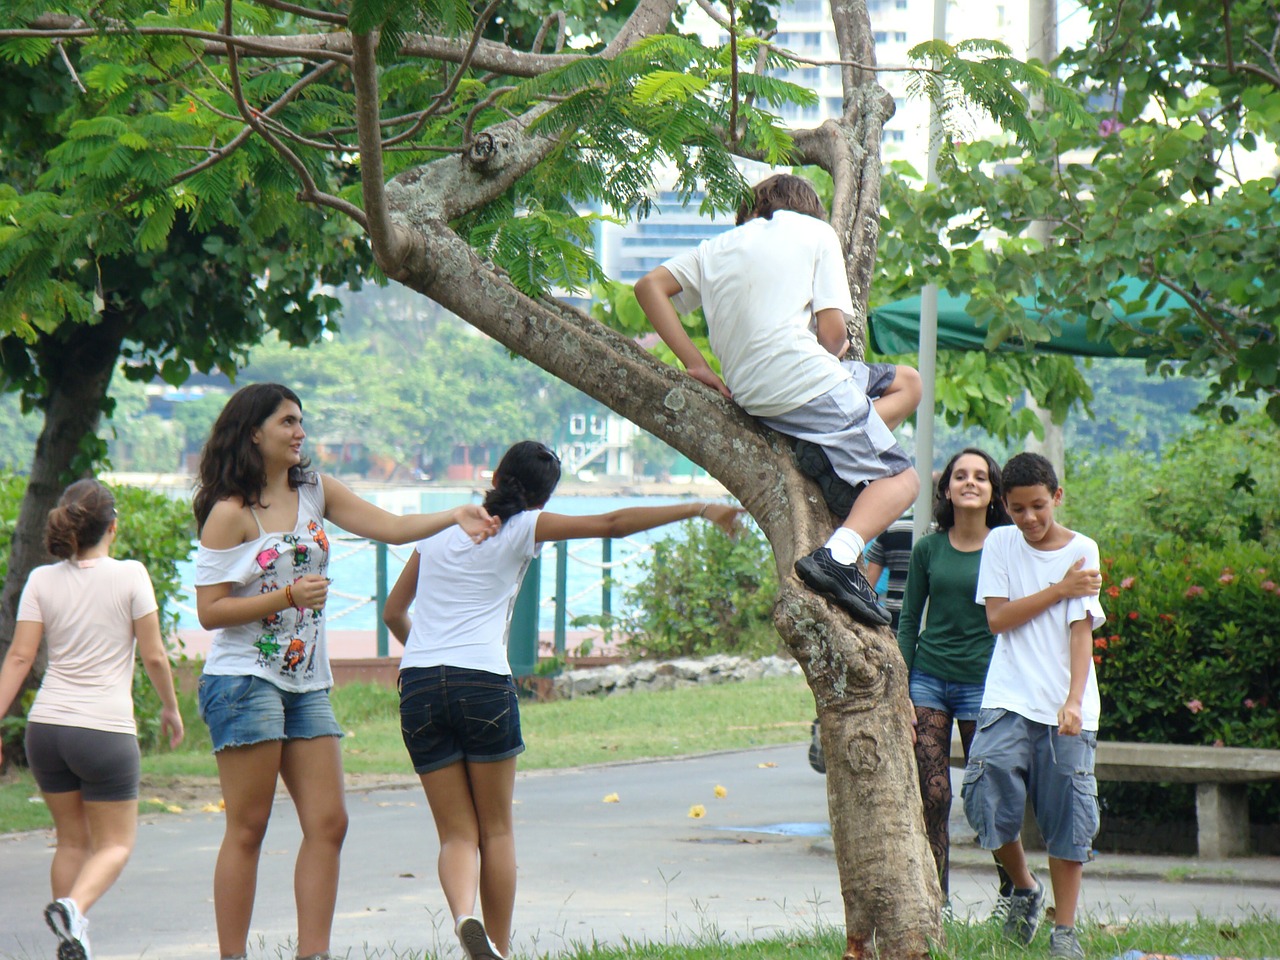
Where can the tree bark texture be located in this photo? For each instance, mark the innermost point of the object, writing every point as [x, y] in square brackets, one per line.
[77, 361]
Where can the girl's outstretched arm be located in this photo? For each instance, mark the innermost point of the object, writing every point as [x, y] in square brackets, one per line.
[622, 523]
[395, 611]
[357, 515]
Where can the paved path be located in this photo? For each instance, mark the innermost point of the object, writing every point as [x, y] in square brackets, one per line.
[640, 869]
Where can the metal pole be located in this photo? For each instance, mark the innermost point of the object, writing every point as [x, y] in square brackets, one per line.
[380, 588]
[562, 591]
[929, 326]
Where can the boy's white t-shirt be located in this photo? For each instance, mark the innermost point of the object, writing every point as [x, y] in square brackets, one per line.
[760, 286]
[1030, 671]
[466, 592]
[86, 609]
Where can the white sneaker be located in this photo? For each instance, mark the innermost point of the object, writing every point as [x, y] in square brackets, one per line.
[71, 927]
[474, 940]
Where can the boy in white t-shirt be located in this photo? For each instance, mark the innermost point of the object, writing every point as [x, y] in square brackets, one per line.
[775, 294]
[1038, 727]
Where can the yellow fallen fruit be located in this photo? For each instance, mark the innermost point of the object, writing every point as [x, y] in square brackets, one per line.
[697, 811]
[764, 766]
[612, 798]
[173, 808]
[212, 807]
[721, 791]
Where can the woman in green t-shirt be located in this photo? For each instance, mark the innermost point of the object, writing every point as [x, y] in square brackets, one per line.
[947, 648]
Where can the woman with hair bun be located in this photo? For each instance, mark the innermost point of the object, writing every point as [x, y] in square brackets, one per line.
[81, 741]
[261, 584]
[459, 713]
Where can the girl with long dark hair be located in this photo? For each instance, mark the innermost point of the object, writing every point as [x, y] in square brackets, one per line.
[261, 584]
[458, 709]
[948, 654]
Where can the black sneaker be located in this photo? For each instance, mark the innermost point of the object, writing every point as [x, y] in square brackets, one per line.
[845, 584]
[813, 463]
[817, 759]
[1026, 910]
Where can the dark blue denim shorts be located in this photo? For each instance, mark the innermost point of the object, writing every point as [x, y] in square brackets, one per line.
[448, 714]
[244, 710]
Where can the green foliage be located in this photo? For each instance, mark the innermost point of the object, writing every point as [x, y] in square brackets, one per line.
[1170, 185]
[1189, 654]
[702, 593]
[1212, 487]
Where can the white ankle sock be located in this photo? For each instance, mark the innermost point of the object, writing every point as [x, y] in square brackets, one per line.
[845, 546]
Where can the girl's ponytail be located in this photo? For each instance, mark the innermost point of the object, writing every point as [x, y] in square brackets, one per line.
[525, 479]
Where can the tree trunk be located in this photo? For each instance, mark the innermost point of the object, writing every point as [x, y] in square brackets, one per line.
[76, 361]
[888, 880]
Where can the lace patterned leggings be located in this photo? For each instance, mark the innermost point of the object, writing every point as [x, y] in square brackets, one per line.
[933, 762]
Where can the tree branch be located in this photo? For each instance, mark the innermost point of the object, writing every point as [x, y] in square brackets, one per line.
[310, 193]
[389, 245]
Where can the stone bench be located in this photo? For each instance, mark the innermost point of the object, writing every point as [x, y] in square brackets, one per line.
[1219, 773]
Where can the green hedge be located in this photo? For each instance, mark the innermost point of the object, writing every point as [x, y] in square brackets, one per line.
[703, 593]
[1190, 654]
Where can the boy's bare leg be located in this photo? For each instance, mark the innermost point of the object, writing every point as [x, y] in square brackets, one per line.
[901, 399]
[1014, 860]
[1065, 875]
[881, 502]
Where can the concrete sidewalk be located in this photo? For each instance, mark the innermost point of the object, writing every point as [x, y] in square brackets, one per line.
[758, 863]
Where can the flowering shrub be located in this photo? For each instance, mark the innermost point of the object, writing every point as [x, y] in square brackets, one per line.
[1190, 653]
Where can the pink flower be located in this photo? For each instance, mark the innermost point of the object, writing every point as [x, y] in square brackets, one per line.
[1269, 585]
[1194, 590]
[1126, 583]
[1097, 659]
[1249, 704]
[1109, 126]
[1113, 592]
[1100, 643]
[1227, 576]
[1133, 614]
[1195, 706]
[1218, 743]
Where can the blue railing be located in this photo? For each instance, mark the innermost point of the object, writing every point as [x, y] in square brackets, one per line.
[361, 571]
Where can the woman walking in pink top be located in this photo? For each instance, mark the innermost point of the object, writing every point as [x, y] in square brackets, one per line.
[81, 740]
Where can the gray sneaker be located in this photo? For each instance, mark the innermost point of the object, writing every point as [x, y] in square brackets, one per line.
[1000, 912]
[1064, 943]
[1026, 910]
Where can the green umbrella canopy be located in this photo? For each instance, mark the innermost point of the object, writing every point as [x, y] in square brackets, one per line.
[895, 327]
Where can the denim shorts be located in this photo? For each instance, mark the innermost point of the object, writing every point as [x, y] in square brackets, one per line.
[448, 714]
[1013, 758]
[244, 710]
[101, 764]
[961, 700]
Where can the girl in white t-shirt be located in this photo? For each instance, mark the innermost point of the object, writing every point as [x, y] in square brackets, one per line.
[81, 738]
[459, 712]
[264, 692]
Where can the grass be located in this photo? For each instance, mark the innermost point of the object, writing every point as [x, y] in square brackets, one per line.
[1256, 937]
[565, 733]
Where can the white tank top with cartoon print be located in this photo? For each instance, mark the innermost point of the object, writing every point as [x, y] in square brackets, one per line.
[287, 648]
